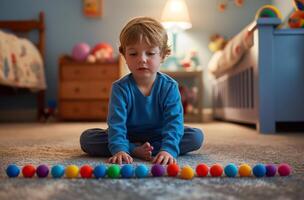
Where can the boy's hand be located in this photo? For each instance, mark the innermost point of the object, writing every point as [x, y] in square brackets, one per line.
[163, 158]
[121, 157]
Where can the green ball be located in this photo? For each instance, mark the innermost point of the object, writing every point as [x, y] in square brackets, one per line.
[113, 171]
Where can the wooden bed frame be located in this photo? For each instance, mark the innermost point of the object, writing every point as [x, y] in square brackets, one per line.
[22, 28]
[266, 87]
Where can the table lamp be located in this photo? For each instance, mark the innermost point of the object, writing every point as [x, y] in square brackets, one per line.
[175, 17]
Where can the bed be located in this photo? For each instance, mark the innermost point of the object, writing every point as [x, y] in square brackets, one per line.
[259, 78]
[22, 59]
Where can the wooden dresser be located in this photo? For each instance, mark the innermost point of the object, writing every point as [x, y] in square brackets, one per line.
[84, 89]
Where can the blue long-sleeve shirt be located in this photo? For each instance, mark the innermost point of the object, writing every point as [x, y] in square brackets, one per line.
[130, 112]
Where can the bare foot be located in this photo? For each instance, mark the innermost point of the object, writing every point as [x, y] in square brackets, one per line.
[143, 152]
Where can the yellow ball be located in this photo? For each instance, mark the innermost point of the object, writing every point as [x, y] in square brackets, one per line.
[187, 172]
[72, 171]
[245, 170]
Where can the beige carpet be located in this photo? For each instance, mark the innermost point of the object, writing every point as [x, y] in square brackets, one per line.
[54, 143]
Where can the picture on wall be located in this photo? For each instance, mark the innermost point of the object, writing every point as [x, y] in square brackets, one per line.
[92, 8]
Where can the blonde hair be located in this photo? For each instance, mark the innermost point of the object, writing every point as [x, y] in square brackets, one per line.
[145, 28]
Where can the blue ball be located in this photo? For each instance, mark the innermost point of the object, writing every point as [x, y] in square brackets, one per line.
[127, 171]
[259, 170]
[231, 170]
[100, 171]
[57, 171]
[141, 171]
[12, 170]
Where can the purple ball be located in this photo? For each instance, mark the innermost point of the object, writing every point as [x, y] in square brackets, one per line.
[158, 170]
[284, 169]
[271, 170]
[81, 51]
[42, 171]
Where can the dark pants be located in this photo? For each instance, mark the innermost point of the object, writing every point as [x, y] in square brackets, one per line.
[95, 141]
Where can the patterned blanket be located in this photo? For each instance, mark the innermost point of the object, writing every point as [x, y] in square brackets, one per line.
[21, 64]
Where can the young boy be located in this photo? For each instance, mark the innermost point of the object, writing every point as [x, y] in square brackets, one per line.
[145, 116]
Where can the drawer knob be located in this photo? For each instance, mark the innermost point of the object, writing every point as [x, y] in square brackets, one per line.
[76, 90]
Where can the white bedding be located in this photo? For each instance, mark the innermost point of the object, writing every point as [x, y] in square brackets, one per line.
[232, 53]
[21, 64]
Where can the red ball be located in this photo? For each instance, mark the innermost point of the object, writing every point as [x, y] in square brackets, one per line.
[172, 169]
[28, 171]
[284, 169]
[202, 170]
[216, 170]
[86, 171]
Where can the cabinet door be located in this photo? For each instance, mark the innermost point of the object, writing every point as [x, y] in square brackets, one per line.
[81, 110]
[89, 72]
[85, 90]
[73, 110]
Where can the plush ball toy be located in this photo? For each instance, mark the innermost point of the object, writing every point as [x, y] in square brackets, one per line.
[216, 170]
[231, 170]
[100, 171]
[42, 171]
[28, 171]
[57, 171]
[296, 19]
[158, 170]
[103, 52]
[259, 170]
[81, 51]
[86, 171]
[271, 170]
[202, 170]
[268, 11]
[12, 170]
[284, 169]
[113, 171]
[127, 171]
[141, 171]
[187, 172]
[71, 171]
[172, 169]
[245, 170]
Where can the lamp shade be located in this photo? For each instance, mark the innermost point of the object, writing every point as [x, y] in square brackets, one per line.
[175, 15]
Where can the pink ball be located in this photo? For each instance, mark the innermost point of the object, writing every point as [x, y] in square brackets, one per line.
[284, 169]
[81, 51]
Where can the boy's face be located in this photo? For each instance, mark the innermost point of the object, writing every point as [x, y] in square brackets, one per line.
[143, 60]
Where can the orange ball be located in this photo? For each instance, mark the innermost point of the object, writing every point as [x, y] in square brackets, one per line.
[216, 170]
[86, 171]
[172, 170]
[202, 170]
[187, 172]
[245, 170]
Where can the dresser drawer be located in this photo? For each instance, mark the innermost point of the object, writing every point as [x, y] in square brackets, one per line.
[85, 90]
[80, 110]
[89, 72]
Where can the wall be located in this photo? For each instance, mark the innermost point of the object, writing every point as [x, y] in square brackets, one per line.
[66, 25]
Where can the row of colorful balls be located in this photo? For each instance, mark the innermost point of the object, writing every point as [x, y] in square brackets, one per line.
[141, 171]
